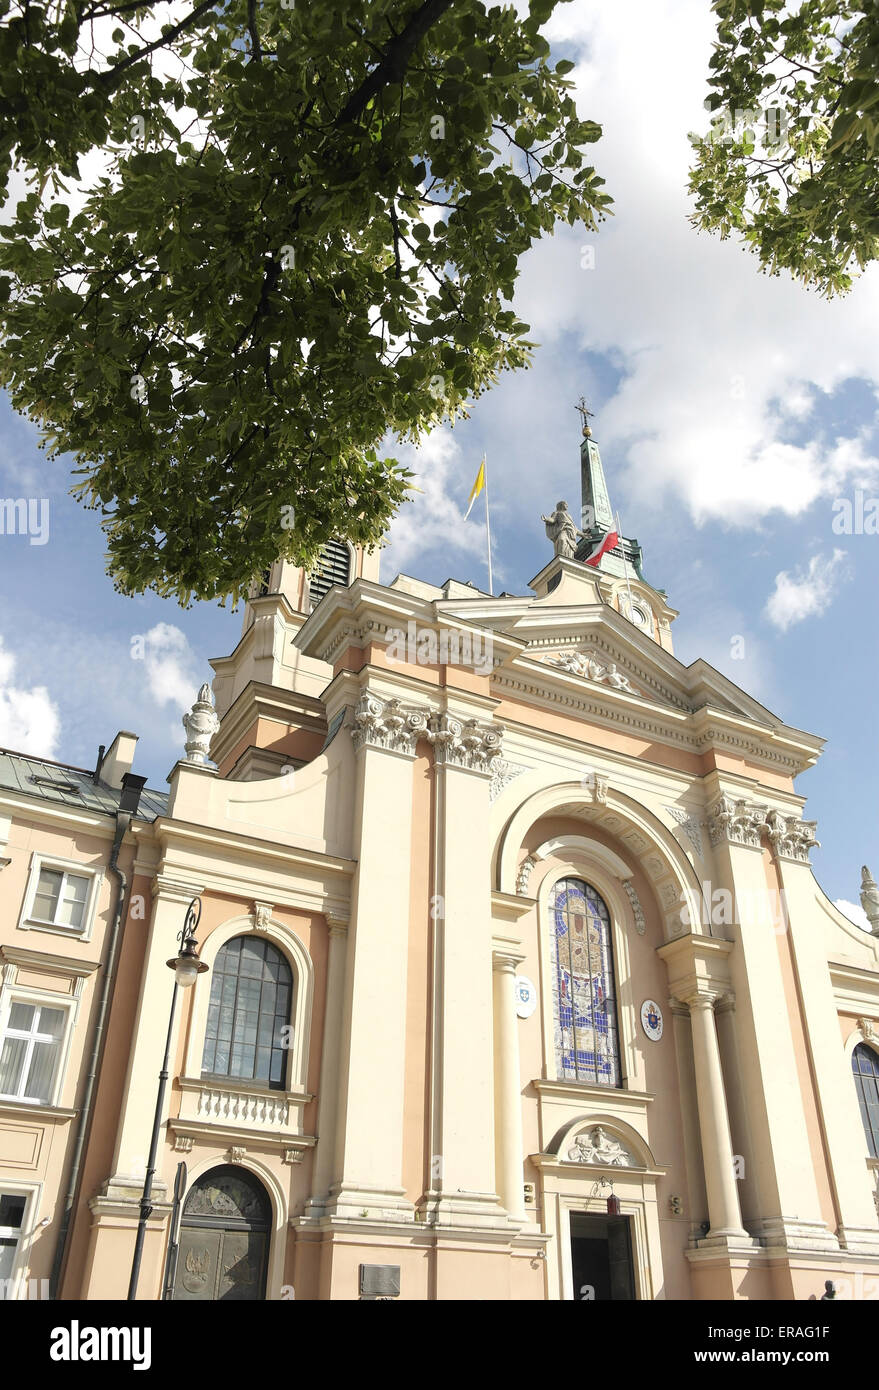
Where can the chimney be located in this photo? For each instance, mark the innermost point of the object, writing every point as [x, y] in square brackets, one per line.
[117, 760]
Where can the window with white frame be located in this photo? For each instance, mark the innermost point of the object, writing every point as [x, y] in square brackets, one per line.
[12, 1205]
[31, 1043]
[60, 897]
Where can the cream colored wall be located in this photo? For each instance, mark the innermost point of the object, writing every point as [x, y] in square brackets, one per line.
[36, 1141]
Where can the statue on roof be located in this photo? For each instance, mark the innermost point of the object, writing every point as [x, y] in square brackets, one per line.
[561, 531]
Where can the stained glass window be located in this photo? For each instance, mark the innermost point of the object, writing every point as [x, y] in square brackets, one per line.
[865, 1065]
[584, 989]
[249, 1010]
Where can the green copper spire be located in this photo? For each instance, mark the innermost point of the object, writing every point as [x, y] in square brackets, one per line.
[597, 517]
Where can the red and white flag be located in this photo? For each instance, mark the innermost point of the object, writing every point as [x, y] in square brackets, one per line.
[601, 548]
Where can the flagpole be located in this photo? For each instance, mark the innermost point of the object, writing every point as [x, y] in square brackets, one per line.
[487, 528]
[625, 566]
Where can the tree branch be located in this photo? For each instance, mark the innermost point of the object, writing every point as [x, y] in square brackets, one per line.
[393, 65]
[110, 77]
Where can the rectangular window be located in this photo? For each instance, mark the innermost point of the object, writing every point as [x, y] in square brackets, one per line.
[30, 1050]
[12, 1205]
[60, 898]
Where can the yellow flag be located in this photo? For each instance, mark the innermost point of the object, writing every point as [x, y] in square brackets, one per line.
[476, 488]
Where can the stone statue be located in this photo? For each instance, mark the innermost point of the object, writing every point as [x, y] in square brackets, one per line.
[597, 1146]
[615, 678]
[561, 531]
[201, 723]
[870, 899]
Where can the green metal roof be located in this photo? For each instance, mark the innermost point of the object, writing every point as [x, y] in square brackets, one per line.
[70, 786]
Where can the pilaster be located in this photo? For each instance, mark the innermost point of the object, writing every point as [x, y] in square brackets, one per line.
[462, 1084]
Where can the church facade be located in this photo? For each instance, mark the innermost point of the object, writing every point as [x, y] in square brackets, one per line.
[519, 983]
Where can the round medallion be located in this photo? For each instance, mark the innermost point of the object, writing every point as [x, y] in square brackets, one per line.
[651, 1019]
[526, 996]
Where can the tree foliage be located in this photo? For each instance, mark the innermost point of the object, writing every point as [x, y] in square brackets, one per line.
[792, 160]
[256, 241]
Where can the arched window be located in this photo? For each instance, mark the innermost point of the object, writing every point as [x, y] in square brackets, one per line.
[865, 1065]
[584, 988]
[251, 996]
[333, 567]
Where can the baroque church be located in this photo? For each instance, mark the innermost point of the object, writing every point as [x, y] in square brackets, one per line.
[514, 981]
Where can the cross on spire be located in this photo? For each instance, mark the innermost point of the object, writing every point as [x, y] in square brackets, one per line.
[585, 415]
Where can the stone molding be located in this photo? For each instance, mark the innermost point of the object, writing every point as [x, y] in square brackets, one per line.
[736, 821]
[790, 837]
[524, 874]
[596, 1145]
[388, 724]
[502, 774]
[465, 743]
[638, 911]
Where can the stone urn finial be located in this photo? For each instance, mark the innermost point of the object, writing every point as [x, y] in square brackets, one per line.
[201, 723]
[870, 899]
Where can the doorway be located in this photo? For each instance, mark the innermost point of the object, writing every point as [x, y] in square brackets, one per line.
[601, 1257]
[224, 1238]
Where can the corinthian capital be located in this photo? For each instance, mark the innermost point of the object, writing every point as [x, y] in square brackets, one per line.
[791, 838]
[736, 822]
[387, 724]
[467, 743]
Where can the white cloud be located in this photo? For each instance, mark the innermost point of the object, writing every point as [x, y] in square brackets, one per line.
[808, 592]
[434, 517]
[171, 669]
[29, 721]
[709, 380]
[854, 912]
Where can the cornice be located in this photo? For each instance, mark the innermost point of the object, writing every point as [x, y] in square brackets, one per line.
[616, 709]
[856, 989]
[48, 964]
[99, 823]
[271, 702]
[55, 1114]
[174, 833]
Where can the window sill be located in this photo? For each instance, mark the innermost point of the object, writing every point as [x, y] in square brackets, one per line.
[38, 1109]
[56, 928]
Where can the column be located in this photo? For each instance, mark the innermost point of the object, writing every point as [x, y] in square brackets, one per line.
[170, 904]
[462, 1111]
[836, 1101]
[508, 1141]
[769, 1033]
[328, 1095]
[717, 1153]
[368, 1157]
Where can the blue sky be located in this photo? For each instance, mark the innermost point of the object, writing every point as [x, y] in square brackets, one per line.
[732, 410]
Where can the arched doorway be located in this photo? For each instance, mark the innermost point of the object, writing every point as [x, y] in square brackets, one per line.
[224, 1238]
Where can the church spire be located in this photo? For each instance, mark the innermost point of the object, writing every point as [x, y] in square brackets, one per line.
[597, 518]
[596, 510]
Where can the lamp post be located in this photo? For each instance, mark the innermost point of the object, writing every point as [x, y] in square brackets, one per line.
[187, 967]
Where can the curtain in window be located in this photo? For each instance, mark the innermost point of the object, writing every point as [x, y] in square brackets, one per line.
[584, 987]
[251, 994]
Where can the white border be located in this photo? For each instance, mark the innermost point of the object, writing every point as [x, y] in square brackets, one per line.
[40, 860]
[300, 962]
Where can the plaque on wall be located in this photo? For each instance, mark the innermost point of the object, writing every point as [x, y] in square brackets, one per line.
[526, 996]
[651, 1019]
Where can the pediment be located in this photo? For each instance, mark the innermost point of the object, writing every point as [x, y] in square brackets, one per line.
[597, 661]
[591, 666]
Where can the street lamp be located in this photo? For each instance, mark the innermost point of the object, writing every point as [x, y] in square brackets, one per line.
[187, 967]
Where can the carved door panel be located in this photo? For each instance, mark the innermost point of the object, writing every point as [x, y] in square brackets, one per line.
[197, 1265]
[241, 1266]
